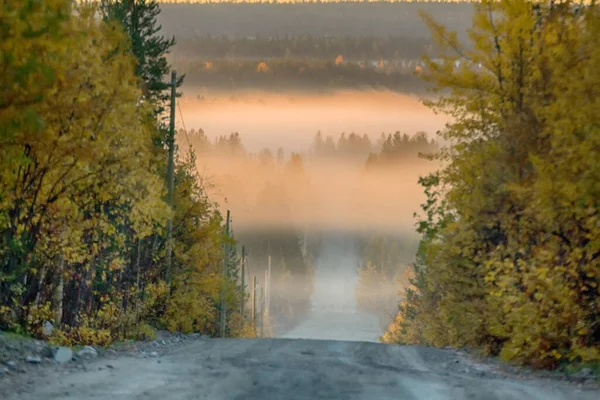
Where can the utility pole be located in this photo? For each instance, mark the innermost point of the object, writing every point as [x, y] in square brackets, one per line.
[225, 266]
[171, 175]
[304, 244]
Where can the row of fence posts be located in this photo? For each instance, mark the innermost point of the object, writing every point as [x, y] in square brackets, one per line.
[260, 296]
[260, 299]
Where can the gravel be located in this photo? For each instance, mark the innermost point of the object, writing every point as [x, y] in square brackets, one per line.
[271, 369]
[23, 359]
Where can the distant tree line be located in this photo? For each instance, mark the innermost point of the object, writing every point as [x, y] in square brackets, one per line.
[333, 19]
[388, 148]
[293, 74]
[401, 147]
[361, 48]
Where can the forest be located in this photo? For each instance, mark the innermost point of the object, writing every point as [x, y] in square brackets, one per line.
[282, 75]
[319, 19]
[355, 147]
[285, 183]
[83, 187]
[304, 46]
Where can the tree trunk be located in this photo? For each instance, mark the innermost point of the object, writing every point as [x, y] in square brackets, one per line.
[38, 295]
[59, 293]
[137, 288]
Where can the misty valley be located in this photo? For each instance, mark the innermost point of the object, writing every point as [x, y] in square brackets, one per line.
[315, 142]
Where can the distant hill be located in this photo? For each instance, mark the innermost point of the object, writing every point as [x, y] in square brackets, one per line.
[317, 19]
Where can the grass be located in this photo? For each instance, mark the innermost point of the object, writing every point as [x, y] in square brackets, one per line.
[10, 335]
[574, 368]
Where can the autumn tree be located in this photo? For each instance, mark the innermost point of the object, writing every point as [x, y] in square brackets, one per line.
[55, 224]
[81, 201]
[516, 271]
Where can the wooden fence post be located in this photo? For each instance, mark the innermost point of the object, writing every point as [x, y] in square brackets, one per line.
[262, 311]
[242, 310]
[269, 288]
[254, 303]
[266, 291]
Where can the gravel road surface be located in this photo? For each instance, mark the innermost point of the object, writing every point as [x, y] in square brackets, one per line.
[288, 369]
[335, 325]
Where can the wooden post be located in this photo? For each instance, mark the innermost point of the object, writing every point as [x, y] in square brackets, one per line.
[59, 293]
[268, 283]
[305, 244]
[253, 296]
[242, 310]
[262, 311]
[171, 177]
[225, 266]
[266, 288]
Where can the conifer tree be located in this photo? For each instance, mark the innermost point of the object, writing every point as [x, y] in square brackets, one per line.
[139, 21]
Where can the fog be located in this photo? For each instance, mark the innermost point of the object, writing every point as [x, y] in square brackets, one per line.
[338, 198]
[334, 309]
[266, 119]
[327, 193]
[324, 196]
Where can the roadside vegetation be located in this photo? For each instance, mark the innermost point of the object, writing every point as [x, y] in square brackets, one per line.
[509, 260]
[83, 166]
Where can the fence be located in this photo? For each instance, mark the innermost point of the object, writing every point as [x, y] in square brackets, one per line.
[259, 294]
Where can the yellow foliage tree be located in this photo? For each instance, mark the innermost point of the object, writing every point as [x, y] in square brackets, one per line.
[515, 269]
[198, 280]
[83, 149]
[262, 67]
[82, 183]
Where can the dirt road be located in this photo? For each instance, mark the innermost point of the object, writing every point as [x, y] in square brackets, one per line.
[334, 314]
[265, 369]
[334, 325]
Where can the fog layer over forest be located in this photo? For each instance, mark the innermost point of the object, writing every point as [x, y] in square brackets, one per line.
[320, 191]
[307, 123]
[324, 200]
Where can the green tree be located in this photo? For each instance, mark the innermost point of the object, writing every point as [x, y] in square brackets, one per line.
[139, 21]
